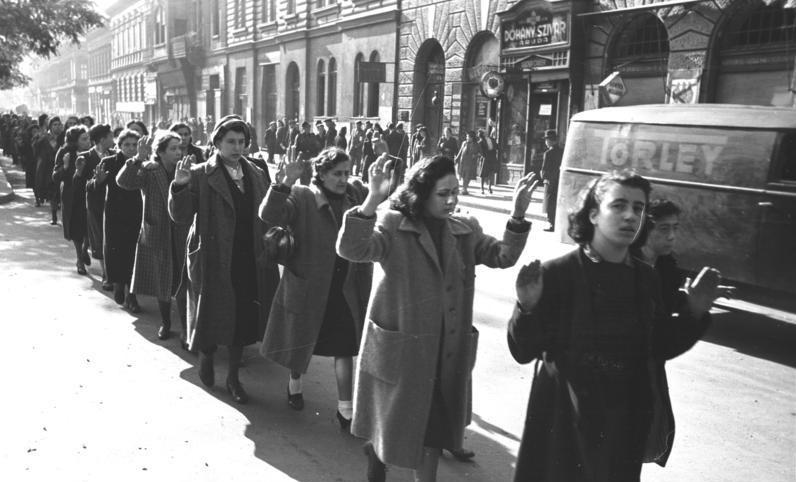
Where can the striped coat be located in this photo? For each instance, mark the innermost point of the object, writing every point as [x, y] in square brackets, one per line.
[156, 271]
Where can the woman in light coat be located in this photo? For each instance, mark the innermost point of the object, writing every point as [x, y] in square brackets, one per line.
[413, 374]
[160, 251]
[232, 281]
[319, 307]
[467, 160]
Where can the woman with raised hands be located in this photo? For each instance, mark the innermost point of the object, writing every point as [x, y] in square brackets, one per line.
[412, 397]
[231, 280]
[319, 307]
[160, 250]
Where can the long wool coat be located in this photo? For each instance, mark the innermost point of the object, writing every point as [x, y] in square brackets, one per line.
[121, 222]
[154, 269]
[66, 176]
[561, 437]
[207, 203]
[95, 202]
[300, 301]
[421, 296]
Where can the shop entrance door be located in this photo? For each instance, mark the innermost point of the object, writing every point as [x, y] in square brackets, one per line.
[544, 112]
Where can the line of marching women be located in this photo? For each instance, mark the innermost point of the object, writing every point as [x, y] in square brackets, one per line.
[212, 234]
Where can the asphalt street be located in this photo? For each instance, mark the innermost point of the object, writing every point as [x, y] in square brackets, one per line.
[91, 394]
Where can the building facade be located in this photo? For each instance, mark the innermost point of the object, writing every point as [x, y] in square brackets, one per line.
[101, 103]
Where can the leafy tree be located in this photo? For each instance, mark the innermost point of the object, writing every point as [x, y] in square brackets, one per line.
[39, 27]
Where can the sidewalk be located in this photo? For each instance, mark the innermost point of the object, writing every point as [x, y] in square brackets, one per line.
[6, 191]
[500, 200]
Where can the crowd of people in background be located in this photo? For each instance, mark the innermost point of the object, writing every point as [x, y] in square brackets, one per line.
[289, 263]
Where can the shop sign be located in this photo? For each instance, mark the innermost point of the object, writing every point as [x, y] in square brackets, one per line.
[536, 28]
[133, 107]
[613, 88]
[481, 109]
[492, 84]
[683, 86]
[150, 90]
[372, 72]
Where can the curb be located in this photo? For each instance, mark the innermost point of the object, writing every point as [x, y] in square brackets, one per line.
[6, 191]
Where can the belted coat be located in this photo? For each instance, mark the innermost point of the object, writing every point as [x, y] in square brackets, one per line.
[206, 204]
[300, 301]
[155, 257]
[420, 319]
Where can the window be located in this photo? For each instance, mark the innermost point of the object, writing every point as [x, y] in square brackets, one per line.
[240, 19]
[269, 92]
[215, 28]
[331, 106]
[373, 91]
[358, 92]
[787, 160]
[290, 7]
[644, 36]
[269, 11]
[241, 97]
[763, 26]
[320, 101]
[160, 26]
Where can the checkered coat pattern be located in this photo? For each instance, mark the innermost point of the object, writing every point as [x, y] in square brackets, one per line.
[156, 271]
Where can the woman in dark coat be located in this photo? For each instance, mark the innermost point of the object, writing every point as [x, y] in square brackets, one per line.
[27, 154]
[319, 308]
[368, 154]
[599, 406]
[87, 170]
[123, 211]
[490, 165]
[231, 280]
[74, 211]
[44, 149]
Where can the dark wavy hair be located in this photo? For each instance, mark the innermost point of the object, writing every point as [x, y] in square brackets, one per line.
[97, 132]
[410, 199]
[74, 133]
[124, 134]
[581, 230]
[162, 139]
[139, 124]
[326, 161]
[181, 125]
[656, 210]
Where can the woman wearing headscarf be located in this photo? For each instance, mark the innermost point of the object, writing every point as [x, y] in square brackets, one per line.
[74, 212]
[319, 308]
[122, 220]
[160, 251]
[412, 397]
[231, 280]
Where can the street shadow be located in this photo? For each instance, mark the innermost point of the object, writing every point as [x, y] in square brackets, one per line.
[754, 335]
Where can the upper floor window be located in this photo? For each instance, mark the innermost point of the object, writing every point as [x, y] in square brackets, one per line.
[765, 25]
[268, 11]
[290, 8]
[324, 3]
[215, 27]
[331, 105]
[240, 14]
[644, 36]
[321, 100]
[160, 26]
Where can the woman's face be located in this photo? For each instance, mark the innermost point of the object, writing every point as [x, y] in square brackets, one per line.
[618, 218]
[185, 135]
[171, 154]
[336, 180]
[232, 146]
[129, 147]
[443, 198]
[83, 142]
[663, 235]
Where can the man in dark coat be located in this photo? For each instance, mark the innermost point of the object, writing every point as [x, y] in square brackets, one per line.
[331, 133]
[551, 164]
[270, 141]
[307, 146]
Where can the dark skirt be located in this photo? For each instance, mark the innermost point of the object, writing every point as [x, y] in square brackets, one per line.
[94, 215]
[78, 228]
[337, 336]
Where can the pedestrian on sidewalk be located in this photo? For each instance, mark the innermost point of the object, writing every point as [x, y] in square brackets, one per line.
[122, 222]
[490, 165]
[160, 250]
[412, 397]
[73, 202]
[467, 160]
[551, 166]
[231, 281]
[27, 153]
[594, 319]
[319, 307]
[91, 177]
[45, 148]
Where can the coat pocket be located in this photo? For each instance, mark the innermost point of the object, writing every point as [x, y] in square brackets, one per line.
[293, 295]
[383, 352]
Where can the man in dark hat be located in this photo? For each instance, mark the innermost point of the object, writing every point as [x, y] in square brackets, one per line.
[551, 164]
[331, 133]
[270, 141]
[308, 145]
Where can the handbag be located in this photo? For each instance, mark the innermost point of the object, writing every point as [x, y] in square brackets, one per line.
[279, 244]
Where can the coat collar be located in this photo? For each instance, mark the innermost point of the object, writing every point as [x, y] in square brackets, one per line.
[321, 200]
[456, 227]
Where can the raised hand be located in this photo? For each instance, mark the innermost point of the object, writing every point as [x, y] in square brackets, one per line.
[145, 147]
[80, 164]
[529, 285]
[523, 192]
[182, 174]
[67, 160]
[702, 291]
[100, 174]
[291, 171]
[379, 177]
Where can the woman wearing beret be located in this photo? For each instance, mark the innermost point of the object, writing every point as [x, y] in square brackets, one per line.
[231, 281]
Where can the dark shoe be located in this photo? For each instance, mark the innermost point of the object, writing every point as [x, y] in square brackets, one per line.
[345, 423]
[85, 258]
[81, 269]
[164, 332]
[550, 229]
[118, 294]
[54, 222]
[296, 401]
[490, 190]
[206, 372]
[236, 390]
[106, 286]
[462, 455]
[131, 303]
[377, 471]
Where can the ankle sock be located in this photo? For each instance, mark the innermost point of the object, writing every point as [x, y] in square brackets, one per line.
[294, 385]
[346, 408]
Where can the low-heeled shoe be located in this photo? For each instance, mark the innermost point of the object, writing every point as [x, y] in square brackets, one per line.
[296, 401]
[235, 389]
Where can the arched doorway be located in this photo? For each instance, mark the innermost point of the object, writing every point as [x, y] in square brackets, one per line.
[483, 55]
[752, 55]
[429, 88]
[292, 91]
[640, 52]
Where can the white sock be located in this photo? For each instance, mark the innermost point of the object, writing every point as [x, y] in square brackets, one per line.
[294, 385]
[346, 408]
